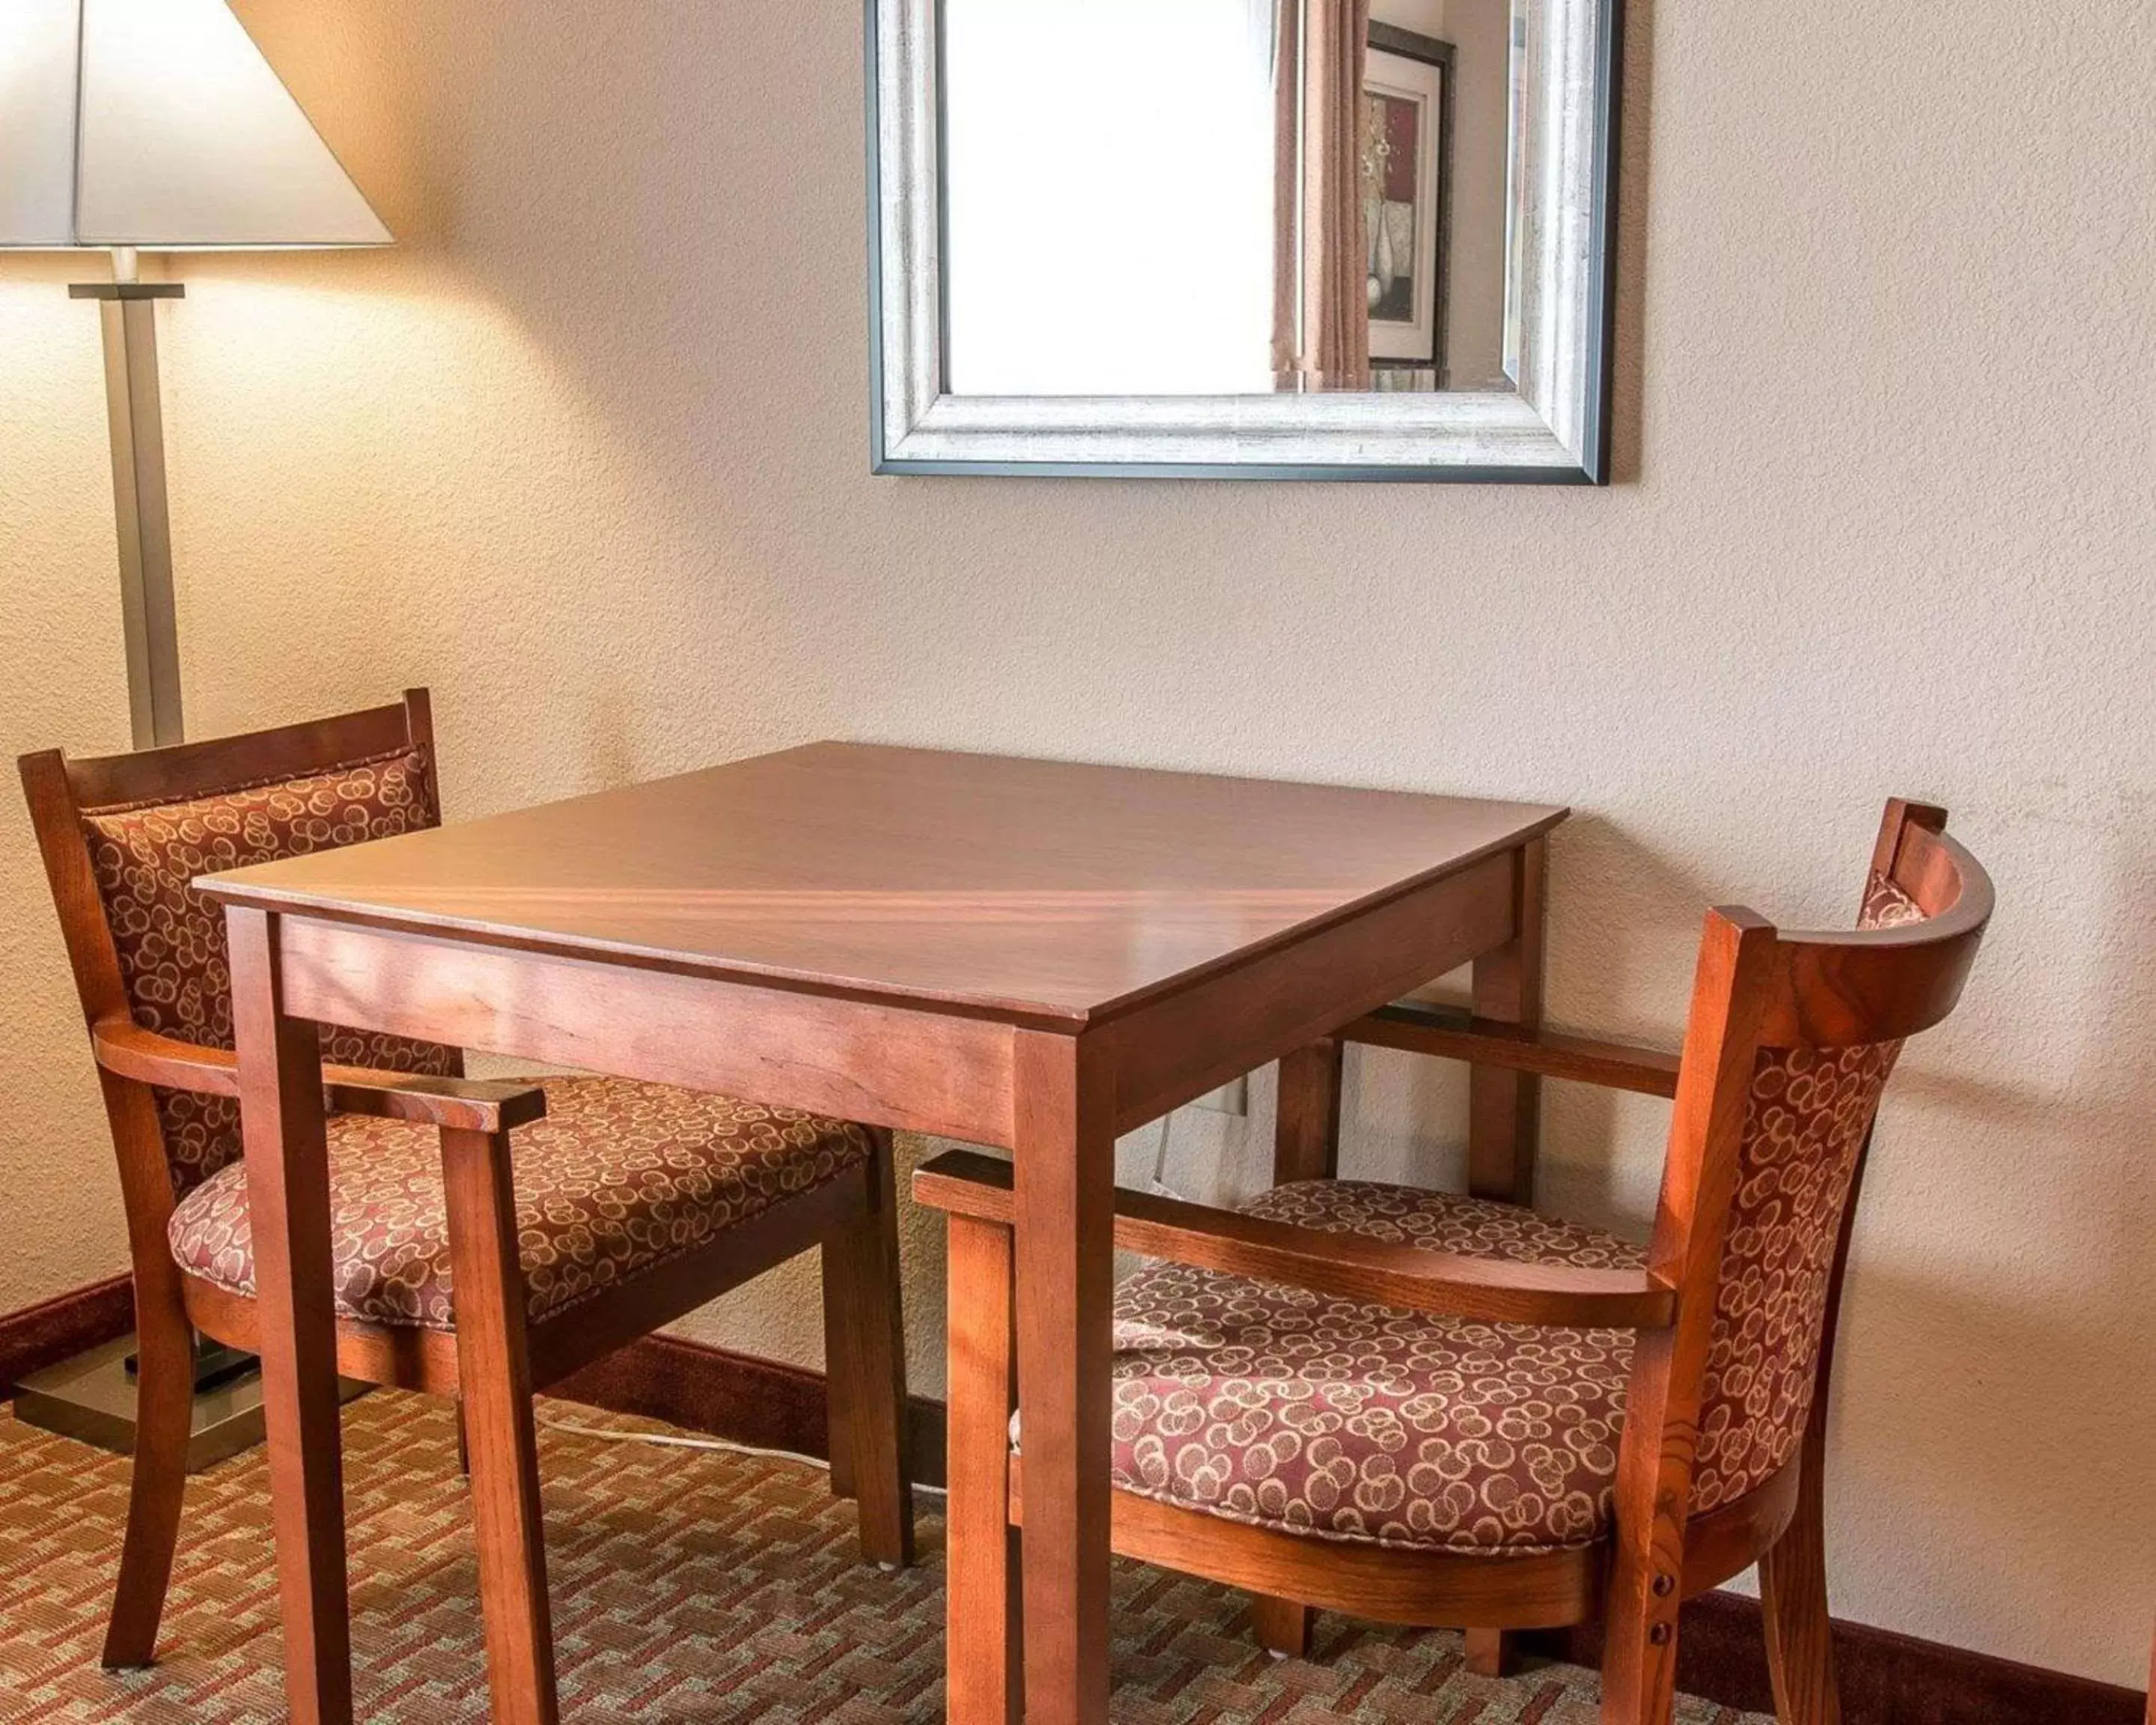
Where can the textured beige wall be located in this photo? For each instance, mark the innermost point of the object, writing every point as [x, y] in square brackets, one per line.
[588, 454]
[61, 676]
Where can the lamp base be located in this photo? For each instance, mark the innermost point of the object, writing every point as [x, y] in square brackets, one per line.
[91, 1399]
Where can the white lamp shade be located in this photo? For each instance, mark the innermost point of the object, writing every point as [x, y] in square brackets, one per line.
[158, 124]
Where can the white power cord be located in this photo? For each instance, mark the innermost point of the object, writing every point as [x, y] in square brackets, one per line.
[668, 1441]
[1158, 1185]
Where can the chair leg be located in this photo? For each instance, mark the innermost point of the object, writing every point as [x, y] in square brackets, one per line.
[1492, 1653]
[983, 1593]
[1793, 1601]
[840, 1376]
[164, 1414]
[1282, 1626]
[1640, 1627]
[865, 1342]
[1636, 1688]
[493, 1373]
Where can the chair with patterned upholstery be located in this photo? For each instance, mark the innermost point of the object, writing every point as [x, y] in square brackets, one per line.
[631, 1204]
[1429, 1409]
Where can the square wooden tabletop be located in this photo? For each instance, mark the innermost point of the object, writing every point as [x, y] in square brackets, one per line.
[996, 885]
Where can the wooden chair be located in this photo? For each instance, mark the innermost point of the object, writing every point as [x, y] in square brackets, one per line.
[1429, 1409]
[550, 1225]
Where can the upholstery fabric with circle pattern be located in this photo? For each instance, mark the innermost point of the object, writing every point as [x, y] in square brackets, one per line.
[171, 938]
[1804, 1126]
[1278, 1408]
[1886, 905]
[618, 1180]
[1805, 1123]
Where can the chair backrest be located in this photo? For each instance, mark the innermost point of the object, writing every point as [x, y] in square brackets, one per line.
[1791, 1040]
[124, 836]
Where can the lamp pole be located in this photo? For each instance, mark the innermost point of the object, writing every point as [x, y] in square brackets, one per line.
[126, 124]
[133, 411]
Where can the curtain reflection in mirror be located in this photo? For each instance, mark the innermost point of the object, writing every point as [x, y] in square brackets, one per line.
[1322, 320]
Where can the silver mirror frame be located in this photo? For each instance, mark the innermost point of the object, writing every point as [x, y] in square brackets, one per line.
[1555, 430]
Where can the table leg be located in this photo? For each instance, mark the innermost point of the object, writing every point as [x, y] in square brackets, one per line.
[493, 1373]
[288, 1200]
[985, 1631]
[1504, 1109]
[1065, 1152]
[1306, 1129]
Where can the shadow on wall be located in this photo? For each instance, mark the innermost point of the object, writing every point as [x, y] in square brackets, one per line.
[677, 190]
[535, 384]
[1999, 1391]
[1635, 170]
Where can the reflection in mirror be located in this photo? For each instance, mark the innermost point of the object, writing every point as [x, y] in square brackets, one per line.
[1244, 239]
[1166, 198]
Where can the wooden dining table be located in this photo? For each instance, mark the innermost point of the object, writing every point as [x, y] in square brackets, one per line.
[1022, 954]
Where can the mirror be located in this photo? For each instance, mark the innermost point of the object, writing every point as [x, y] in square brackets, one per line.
[1326, 239]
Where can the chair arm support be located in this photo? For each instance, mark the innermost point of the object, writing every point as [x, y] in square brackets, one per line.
[475, 1105]
[1453, 1034]
[1346, 1265]
[128, 1050]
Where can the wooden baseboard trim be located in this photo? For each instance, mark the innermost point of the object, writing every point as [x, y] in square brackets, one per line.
[59, 1328]
[1887, 1678]
[735, 1396]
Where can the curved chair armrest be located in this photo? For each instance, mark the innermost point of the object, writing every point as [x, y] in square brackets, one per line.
[461, 1104]
[1452, 1034]
[1348, 1265]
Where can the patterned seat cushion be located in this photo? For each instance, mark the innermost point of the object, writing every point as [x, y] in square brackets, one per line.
[618, 1179]
[1278, 1408]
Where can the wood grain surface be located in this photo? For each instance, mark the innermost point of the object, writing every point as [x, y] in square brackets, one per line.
[1042, 888]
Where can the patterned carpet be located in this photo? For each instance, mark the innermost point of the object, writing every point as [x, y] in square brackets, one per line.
[689, 1588]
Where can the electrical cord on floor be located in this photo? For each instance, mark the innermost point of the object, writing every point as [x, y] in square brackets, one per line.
[668, 1441]
[1158, 1185]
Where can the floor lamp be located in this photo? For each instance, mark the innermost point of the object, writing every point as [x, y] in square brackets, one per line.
[136, 125]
